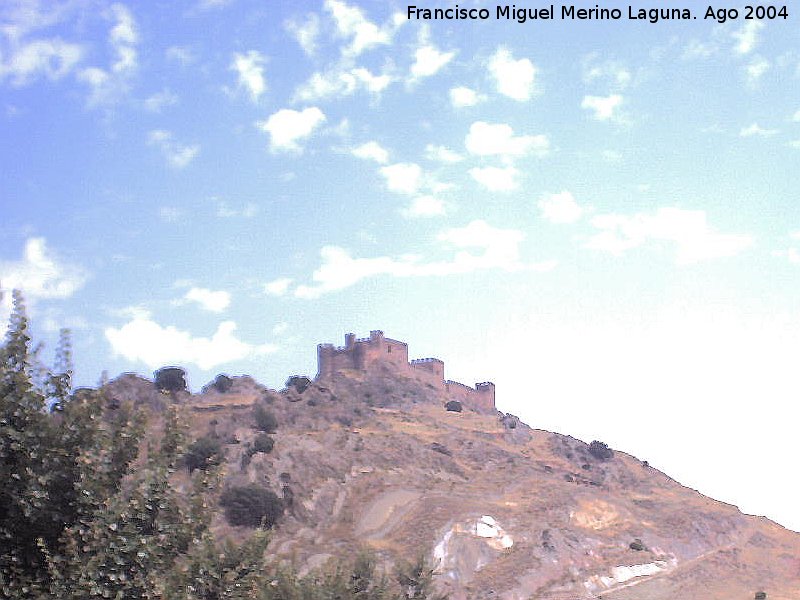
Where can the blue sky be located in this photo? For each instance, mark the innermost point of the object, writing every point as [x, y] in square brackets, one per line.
[601, 217]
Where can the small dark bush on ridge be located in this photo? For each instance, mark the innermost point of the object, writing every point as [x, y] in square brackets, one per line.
[600, 450]
[170, 379]
[223, 383]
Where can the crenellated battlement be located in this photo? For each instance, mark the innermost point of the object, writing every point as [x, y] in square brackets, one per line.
[378, 351]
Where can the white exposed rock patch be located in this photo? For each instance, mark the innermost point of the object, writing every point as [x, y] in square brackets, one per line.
[626, 573]
[467, 547]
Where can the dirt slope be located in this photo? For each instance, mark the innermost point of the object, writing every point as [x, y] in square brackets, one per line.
[505, 511]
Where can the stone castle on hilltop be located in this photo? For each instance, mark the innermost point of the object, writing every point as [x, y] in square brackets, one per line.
[377, 351]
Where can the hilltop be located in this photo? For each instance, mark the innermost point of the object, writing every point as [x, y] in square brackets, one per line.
[367, 455]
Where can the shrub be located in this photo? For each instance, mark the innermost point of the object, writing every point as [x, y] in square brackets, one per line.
[170, 379]
[637, 545]
[761, 595]
[265, 420]
[263, 443]
[299, 382]
[600, 450]
[251, 505]
[204, 452]
[223, 383]
[453, 406]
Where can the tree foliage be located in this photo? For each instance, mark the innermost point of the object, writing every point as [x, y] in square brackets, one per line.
[265, 420]
[203, 453]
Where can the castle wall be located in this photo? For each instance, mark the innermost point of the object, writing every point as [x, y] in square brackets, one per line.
[429, 370]
[377, 351]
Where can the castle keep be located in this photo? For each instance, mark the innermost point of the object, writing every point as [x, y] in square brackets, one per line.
[378, 351]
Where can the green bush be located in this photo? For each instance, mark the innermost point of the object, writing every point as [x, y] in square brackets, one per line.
[299, 382]
[203, 453]
[265, 420]
[170, 379]
[600, 450]
[223, 383]
[263, 443]
[453, 406]
[251, 505]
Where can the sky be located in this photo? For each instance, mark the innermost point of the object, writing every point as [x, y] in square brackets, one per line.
[599, 216]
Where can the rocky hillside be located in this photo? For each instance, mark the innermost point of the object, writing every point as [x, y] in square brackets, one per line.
[506, 511]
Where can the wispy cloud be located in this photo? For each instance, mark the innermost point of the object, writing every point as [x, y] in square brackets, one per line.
[688, 230]
[40, 274]
[287, 127]
[476, 246]
[176, 154]
[249, 69]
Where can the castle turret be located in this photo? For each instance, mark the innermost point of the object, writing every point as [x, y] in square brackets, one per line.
[486, 395]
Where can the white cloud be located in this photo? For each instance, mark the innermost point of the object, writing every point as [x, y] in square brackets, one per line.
[278, 287]
[486, 139]
[603, 106]
[372, 151]
[287, 127]
[428, 61]
[250, 71]
[177, 155]
[609, 72]
[403, 178]
[694, 239]
[795, 144]
[52, 59]
[560, 208]
[755, 130]
[183, 55]
[362, 34]
[210, 300]
[496, 179]
[108, 85]
[40, 274]
[477, 246]
[159, 100]
[143, 340]
[513, 78]
[339, 83]
[796, 116]
[747, 37]
[226, 211]
[442, 154]
[463, 96]
[305, 32]
[425, 206]
[755, 69]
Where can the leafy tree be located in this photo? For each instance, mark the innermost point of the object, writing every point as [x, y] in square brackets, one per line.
[170, 380]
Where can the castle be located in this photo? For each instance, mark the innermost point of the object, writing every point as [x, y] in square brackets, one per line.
[377, 351]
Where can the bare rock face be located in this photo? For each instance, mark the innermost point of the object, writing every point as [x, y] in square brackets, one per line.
[504, 511]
